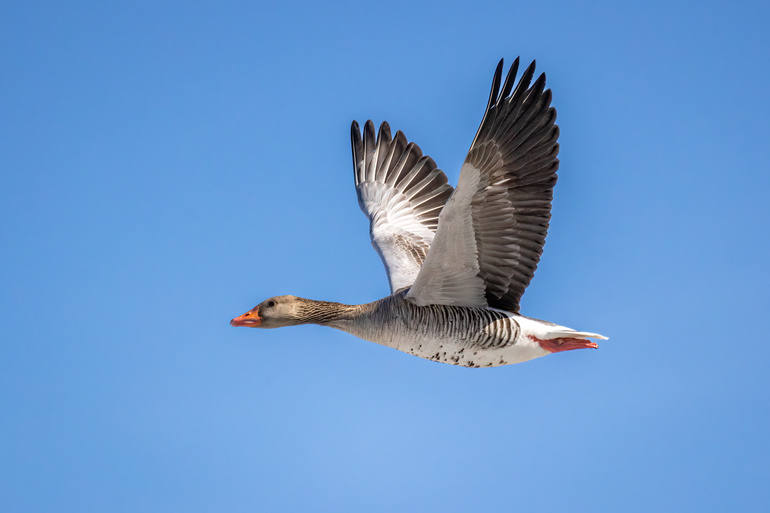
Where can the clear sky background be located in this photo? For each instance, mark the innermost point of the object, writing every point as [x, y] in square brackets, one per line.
[167, 166]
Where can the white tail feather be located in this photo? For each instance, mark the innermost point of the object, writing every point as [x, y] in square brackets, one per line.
[548, 330]
[576, 334]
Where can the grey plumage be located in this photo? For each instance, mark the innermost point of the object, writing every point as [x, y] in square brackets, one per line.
[438, 332]
[492, 230]
[515, 151]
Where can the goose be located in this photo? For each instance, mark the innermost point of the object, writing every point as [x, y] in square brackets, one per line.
[458, 260]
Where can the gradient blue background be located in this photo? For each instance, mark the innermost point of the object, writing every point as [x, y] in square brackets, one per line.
[165, 167]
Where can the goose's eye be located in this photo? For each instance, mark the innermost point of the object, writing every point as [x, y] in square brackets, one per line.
[271, 304]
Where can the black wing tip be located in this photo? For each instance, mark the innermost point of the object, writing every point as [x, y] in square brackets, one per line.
[355, 134]
[510, 78]
[383, 135]
[529, 72]
[413, 147]
[536, 90]
[493, 92]
[356, 145]
[369, 125]
[425, 158]
[496, 94]
[547, 97]
[524, 81]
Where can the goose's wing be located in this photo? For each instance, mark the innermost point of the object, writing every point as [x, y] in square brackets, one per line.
[491, 233]
[402, 193]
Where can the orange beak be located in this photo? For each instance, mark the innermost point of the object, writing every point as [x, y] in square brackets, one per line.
[250, 319]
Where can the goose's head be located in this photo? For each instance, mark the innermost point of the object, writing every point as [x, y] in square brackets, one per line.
[275, 312]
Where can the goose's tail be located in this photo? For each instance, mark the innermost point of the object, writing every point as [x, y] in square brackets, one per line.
[567, 332]
[554, 338]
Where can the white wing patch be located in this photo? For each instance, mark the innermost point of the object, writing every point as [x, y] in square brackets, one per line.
[402, 193]
[396, 233]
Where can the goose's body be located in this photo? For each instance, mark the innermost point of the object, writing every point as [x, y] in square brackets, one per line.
[458, 260]
[458, 335]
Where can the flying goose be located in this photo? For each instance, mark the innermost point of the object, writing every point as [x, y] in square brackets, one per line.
[458, 260]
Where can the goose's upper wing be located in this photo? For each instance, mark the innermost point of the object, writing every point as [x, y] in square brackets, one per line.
[402, 192]
[491, 233]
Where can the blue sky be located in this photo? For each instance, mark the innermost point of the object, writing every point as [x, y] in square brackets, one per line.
[166, 166]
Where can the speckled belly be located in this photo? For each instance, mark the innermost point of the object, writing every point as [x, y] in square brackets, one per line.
[464, 352]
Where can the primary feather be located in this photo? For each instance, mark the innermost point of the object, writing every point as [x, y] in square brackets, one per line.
[492, 231]
[402, 193]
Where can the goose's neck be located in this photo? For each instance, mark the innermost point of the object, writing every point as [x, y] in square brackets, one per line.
[327, 312]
